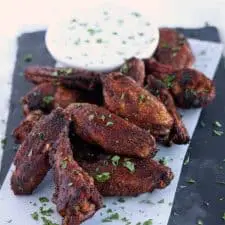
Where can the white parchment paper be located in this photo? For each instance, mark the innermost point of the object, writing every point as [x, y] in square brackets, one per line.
[156, 206]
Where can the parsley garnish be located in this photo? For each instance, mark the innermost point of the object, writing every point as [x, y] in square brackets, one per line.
[163, 161]
[99, 41]
[122, 200]
[223, 217]
[27, 57]
[136, 14]
[103, 177]
[129, 165]
[4, 142]
[148, 222]
[161, 201]
[34, 215]
[48, 99]
[70, 184]
[103, 117]
[124, 68]
[187, 160]
[63, 164]
[109, 211]
[109, 123]
[115, 160]
[46, 212]
[114, 216]
[48, 222]
[43, 199]
[41, 136]
[115, 33]
[199, 222]
[217, 132]
[191, 181]
[168, 81]
[217, 124]
[141, 98]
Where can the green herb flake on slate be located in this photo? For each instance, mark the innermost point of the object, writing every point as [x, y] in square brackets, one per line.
[220, 182]
[109, 211]
[187, 160]
[114, 216]
[41, 136]
[99, 41]
[47, 221]
[223, 217]
[168, 81]
[217, 124]
[148, 222]
[191, 181]
[43, 199]
[217, 132]
[200, 222]
[35, 216]
[28, 57]
[70, 184]
[115, 160]
[103, 177]
[3, 143]
[48, 99]
[129, 165]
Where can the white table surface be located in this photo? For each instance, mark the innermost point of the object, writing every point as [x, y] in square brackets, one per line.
[28, 15]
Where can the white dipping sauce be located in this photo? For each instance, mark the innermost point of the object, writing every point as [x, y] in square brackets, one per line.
[101, 39]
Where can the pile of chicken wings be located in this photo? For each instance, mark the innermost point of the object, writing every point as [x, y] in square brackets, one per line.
[98, 131]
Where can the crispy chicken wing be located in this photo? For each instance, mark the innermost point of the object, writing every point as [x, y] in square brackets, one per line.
[178, 133]
[26, 125]
[174, 49]
[72, 78]
[134, 68]
[31, 160]
[76, 196]
[189, 87]
[47, 96]
[123, 96]
[115, 135]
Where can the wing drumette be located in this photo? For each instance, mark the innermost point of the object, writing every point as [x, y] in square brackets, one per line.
[189, 87]
[123, 96]
[114, 134]
[31, 160]
[178, 133]
[76, 196]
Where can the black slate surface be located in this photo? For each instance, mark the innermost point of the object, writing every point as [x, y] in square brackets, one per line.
[201, 201]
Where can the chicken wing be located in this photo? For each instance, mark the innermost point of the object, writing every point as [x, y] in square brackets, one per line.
[76, 196]
[123, 96]
[31, 160]
[189, 87]
[134, 68]
[174, 49]
[178, 133]
[115, 135]
[72, 78]
[47, 96]
[25, 127]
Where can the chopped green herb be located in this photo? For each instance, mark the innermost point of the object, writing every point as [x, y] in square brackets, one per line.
[109, 211]
[115, 160]
[91, 117]
[136, 14]
[165, 45]
[161, 201]
[47, 221]
[142, 98]
[168, 81]
[139, 223]
[148, 222]
[43, 199]
[122, 200]
[109, 123]
[91, 31]
[41, 136]
[223, 217]
[48, 99]
[199, 222]
[163, 161]
[114, 216]
[46, 212]
[3, 142]
[63, 164]
[217, 132]
[217, 124]
[187, 160]
[202, 124]
[221, 199]
[191, 181]
[115, 33]
[27, 57]
[103, 177]
[147, 202]
[35, 216]
[99, 41]
[220, 182]
[203, 52]
[129, 165]
[124, 68]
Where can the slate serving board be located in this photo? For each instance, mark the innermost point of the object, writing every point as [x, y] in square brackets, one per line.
[204, 149]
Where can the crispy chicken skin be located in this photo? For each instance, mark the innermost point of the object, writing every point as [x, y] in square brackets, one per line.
[174, 49]
[26, 125]
[31, 160]
[72, 78]
[134, 68]
[148, 175]
[115, 135]
[124, 97]
[178, 133]
[47, 96]
[189, 87]
[76, 196]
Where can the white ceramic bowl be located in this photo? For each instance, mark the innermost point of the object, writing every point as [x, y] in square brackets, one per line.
[101, 39]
